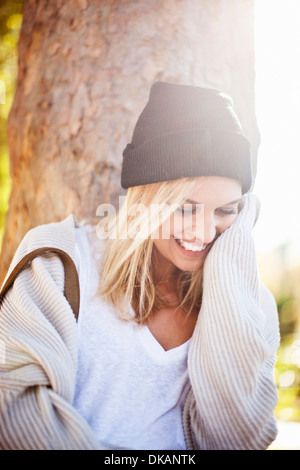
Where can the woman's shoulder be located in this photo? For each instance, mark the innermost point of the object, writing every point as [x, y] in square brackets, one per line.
[59, 235]
[88, 257]
[87, 243]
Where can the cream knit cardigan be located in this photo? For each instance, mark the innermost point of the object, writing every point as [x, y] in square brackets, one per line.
[231, 355]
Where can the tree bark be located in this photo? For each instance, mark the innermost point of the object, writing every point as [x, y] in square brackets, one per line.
[85, 70]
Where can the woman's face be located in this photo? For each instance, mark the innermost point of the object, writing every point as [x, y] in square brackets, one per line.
[194, 227]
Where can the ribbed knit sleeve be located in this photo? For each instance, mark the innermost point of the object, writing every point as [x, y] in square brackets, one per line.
[233, 349]
[38, 335]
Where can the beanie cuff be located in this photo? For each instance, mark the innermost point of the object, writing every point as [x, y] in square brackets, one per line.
[190, 153]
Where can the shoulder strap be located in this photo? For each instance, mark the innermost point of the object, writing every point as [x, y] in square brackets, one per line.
[71, 289]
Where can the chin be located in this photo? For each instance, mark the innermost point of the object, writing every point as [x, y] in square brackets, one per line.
[189, 266]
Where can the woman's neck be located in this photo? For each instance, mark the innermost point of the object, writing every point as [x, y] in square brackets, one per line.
[164, 273]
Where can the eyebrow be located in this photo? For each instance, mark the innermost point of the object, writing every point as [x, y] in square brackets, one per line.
[228, 203]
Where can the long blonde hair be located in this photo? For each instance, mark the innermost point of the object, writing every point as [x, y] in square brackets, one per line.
[126, 279]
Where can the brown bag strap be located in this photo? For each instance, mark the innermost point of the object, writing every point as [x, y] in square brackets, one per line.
[71, 289]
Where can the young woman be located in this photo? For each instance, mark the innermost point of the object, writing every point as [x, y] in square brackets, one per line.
[176, 338]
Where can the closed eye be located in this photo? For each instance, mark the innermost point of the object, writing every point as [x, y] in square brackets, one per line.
[192, 207]
[189, 209]
[225, 212]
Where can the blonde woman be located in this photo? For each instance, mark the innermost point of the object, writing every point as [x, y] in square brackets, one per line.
[176, 337]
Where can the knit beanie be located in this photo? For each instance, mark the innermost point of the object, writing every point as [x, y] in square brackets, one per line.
[186, 131]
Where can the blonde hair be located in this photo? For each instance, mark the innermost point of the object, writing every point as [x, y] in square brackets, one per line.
[126, 279]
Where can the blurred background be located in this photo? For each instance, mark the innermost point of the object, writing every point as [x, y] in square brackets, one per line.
[277, 46]
[277, 233]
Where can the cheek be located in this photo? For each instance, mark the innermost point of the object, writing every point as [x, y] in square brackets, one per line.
[163, 248]
[227, 222]
[182, 227]
[167, 229]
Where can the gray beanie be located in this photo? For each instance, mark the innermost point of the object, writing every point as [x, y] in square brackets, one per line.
[186, 131]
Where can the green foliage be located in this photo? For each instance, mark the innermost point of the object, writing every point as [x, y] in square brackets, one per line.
[10, 23]
[287, 376]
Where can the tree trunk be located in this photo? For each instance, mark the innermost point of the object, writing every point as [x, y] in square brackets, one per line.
[85, 70]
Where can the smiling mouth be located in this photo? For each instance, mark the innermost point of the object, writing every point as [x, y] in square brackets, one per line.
[190, 246]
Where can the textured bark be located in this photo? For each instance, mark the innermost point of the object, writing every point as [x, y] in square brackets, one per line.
[85, 69]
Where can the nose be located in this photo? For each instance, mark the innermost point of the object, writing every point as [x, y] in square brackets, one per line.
[206, 229]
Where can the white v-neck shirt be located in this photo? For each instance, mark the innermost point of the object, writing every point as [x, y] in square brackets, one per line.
[128, 388]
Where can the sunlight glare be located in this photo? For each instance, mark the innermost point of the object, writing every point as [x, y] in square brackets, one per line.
[277, 44]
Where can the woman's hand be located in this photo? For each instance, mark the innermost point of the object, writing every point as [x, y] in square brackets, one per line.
[233, 348]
